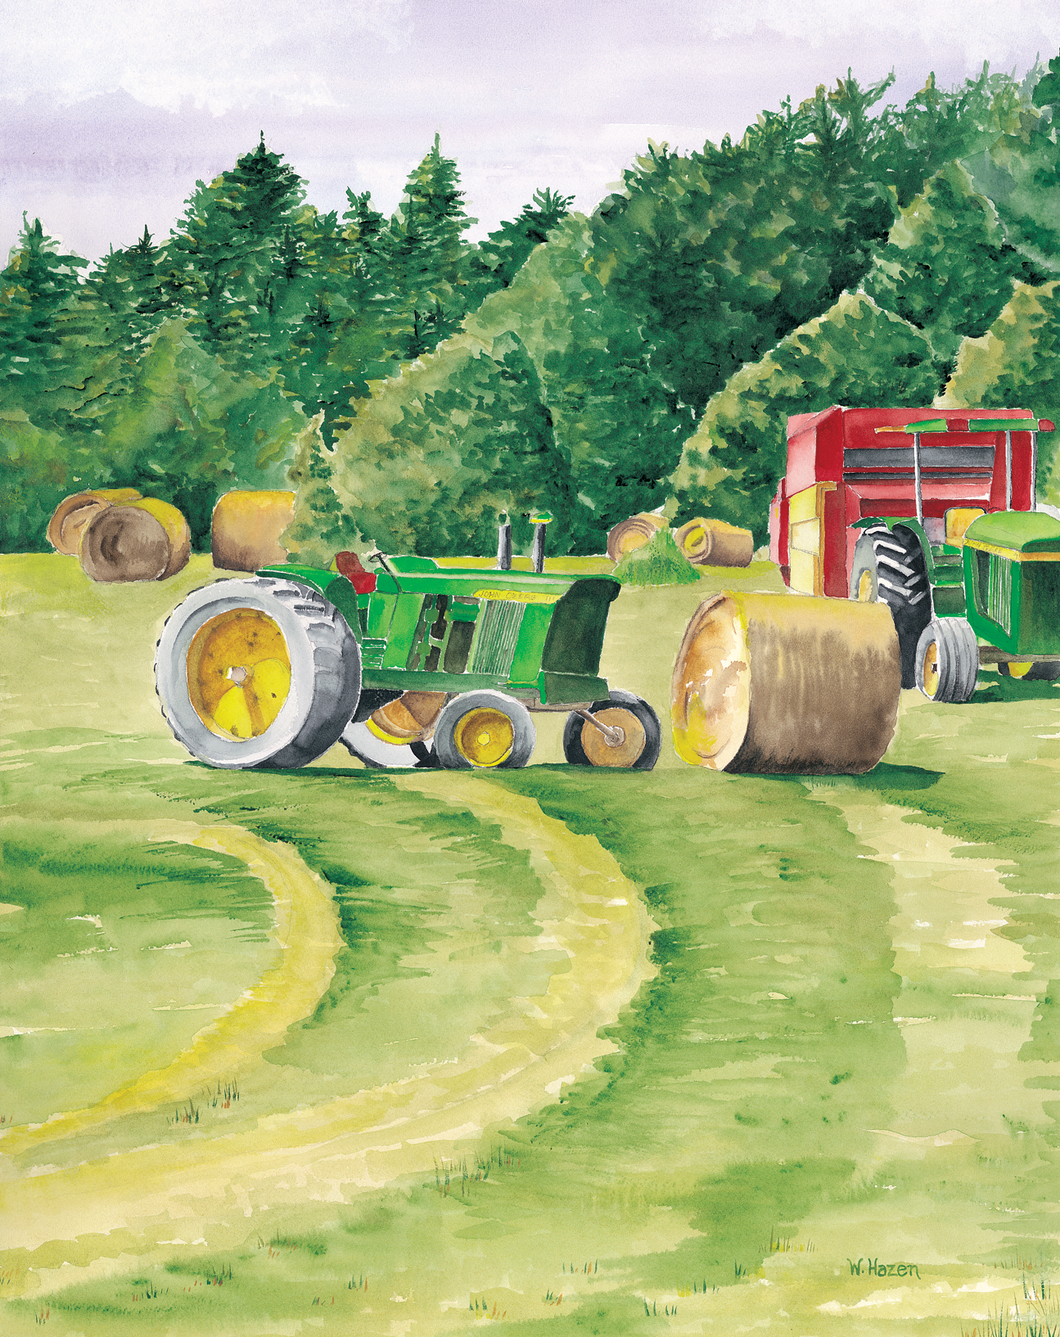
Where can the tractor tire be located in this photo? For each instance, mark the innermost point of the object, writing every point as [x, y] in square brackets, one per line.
[1045, 672]
[257, 673]
[380, 755]
[947, 660]
[639, 751]
[889, 567]
[483, 730]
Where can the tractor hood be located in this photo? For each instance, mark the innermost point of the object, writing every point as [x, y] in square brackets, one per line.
[1016, 532]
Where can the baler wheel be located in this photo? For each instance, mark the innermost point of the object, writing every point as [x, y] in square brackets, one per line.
[1042, 672]
[889, 567]
[637, 749]
[947, 660]
[257, 673]
[484, 730]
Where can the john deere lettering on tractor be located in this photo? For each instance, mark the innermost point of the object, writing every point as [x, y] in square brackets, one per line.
[934, 513]
[411, 665]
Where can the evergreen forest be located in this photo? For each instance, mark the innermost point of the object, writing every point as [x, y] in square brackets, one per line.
[411, 385]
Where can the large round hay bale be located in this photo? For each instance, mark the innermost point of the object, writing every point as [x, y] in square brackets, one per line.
[633, 533]
[786, 684]
[707, 542]
[246, 529]
[74, 512]
[141, 540]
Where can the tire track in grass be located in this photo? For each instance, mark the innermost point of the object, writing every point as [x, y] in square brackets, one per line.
[588, 911]
[305, 930]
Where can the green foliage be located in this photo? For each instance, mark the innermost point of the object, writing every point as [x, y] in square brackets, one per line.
[194, 365]
[854, 354]
[317, 531]
[1020, 171]
[1013, 365]
[946, 268]
[657, 562]
[37, 470]
[430, 465]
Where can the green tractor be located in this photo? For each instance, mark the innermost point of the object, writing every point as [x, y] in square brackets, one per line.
[411, 665]
[996, 599]
[934, 513]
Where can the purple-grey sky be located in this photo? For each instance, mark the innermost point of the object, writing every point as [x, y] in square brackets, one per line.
[110, 110]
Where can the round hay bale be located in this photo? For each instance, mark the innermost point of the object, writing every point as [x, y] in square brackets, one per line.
[246, 528]
[73, 513]
[141, 540]
[633, 533]
[785, 684]
[707, 542]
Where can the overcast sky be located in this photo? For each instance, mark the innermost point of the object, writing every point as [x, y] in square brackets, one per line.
[110, 110]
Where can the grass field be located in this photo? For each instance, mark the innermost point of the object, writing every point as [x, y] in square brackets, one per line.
[550, 1050]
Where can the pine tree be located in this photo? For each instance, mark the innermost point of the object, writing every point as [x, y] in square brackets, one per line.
[427, 257]
[504, 252]
[39, 373]
[234, 256]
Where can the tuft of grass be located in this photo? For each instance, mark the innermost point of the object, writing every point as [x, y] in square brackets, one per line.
[658, 562]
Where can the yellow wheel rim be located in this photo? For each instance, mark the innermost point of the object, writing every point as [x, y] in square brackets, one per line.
[930, 668]
[602, 753]
[239, 673]
[865, 594]
[1016, 670]
[484, 737]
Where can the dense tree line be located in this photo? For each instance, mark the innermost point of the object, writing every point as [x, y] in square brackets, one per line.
[413, 385]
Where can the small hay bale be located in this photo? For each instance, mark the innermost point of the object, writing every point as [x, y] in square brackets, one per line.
[658, 562]
[75, 512]
[141, 540]
[633, 533]
[246, 528]
[708, 542]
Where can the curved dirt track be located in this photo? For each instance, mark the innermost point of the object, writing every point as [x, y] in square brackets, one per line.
[305, 929]
[587, 910]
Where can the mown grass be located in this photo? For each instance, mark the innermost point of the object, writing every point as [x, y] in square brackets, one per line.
[733, 1124]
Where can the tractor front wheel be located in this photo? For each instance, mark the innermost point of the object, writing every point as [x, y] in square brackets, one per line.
[633, 740]
[947, 660]
[257, 673]
[482, 731]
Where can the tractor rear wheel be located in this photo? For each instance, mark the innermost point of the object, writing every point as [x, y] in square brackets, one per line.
[636, 749]
[889, 567]
[947, 660]
[483, 730]
[257, 673]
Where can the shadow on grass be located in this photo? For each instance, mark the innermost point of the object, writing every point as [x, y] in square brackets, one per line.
[1004, 690]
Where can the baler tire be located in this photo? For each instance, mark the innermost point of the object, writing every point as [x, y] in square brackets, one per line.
[645, 730]
[889, 567]
[947, 660]
[379, 755]
[1048, 671]
[483, 730]
[299, 644]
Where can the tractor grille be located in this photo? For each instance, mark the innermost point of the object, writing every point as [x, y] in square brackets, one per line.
[497, 633]
[995, 584]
